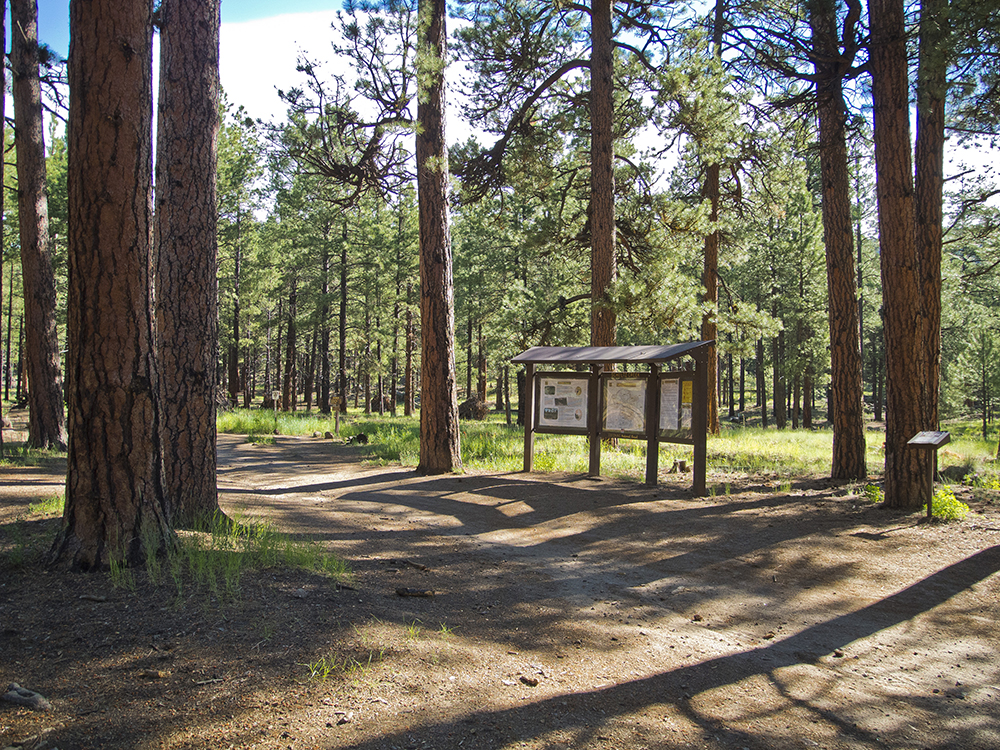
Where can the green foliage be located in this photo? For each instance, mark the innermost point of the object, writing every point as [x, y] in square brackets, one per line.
[50, 506]
[946, 506]
[873, 493]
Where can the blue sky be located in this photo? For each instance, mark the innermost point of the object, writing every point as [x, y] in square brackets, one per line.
[53, 15]
[260, 43]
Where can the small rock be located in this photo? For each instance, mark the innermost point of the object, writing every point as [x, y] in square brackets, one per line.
[23, 697]
[153, 674]
[697, 618]
[300, 593]
[530, 681]
[328, 435]
[345, 719]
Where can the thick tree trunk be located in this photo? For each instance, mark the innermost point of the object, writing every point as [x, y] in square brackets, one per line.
[710, 280]
[905, 326]
[439, 428]
[187, 253]
[46, 420]
[115, 508]
[603, 323]
[845, 330]
[3, 245]
[932, 89]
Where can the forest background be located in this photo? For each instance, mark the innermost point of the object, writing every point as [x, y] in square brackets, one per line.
[317, 279]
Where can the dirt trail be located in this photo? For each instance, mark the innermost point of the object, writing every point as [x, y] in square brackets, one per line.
[568, 613]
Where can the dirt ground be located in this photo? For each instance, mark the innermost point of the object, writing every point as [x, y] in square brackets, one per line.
[567, 613]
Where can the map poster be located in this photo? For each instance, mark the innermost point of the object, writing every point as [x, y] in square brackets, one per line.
[562, 403]
[625, 405]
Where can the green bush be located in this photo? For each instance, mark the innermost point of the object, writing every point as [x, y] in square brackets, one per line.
[946, 506]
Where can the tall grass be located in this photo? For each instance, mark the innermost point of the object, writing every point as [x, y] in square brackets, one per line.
[265, 422]
[215, 554]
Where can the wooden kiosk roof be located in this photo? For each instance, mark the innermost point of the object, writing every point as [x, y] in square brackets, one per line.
[595, 355]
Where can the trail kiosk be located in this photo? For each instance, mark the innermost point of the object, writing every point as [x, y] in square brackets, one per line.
[658, 406]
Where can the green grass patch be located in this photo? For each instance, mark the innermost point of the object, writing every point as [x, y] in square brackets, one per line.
[50, 506]
[215, 554]
[264, 422]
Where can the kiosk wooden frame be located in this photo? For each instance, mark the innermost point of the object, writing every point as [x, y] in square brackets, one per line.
[562, 387]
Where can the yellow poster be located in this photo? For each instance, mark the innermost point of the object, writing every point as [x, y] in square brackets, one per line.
[687, 391]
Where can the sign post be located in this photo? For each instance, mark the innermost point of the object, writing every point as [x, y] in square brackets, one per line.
[930, 441]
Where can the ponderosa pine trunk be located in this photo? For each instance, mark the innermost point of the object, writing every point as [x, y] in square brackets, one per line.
[288, 383]
[46, 419]
[187, 254]
[324, 314]
[845, 330]
[233, 372]
[710, 272]
[440, 450]
[342, 327]
[932, 90]
[408, 400]
[906, 469]
[3, 244]
[603, 269]
[115, 508]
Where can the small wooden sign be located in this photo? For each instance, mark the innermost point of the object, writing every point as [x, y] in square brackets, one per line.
[929, 439]
[335, 401]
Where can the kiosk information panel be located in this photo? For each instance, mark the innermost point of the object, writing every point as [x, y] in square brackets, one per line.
[625, 404]
[562, 402]
[676, 407]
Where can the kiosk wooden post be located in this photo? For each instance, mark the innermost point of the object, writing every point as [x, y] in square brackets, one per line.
[594, 420]
[529, 415]
[699, 419]
[653, 425]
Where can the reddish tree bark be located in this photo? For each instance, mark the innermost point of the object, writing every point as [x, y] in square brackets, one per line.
[115, 507]
[46, 419]
[845, 327]
[187, 253]
[439, 429]
[603, 268]
[905, 325]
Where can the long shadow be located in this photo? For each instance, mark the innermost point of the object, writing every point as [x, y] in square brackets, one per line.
[681, 686]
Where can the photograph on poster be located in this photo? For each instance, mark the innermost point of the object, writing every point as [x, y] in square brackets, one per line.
[563, 403]
[625, 405]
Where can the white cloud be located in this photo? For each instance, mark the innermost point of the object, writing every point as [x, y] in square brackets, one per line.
[258, 57]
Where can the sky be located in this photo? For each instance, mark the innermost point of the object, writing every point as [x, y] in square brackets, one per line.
[258, 45]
